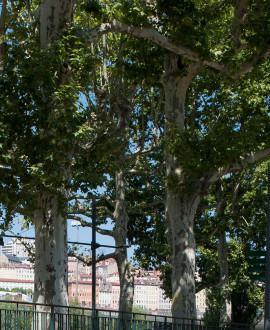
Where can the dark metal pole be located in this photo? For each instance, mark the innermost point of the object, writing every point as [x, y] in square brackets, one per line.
[267, 274]
[93, 248]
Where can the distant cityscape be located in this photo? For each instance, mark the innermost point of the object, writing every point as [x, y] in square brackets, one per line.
[16, 271]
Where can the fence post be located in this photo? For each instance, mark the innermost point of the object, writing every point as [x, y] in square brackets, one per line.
[95, 320]
[52, 319]
[267, 275]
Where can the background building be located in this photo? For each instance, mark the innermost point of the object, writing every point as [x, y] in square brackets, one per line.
[17, 247]
[17, 272]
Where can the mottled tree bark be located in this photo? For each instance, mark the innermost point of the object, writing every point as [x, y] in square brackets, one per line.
[180, 206]
[53, 16]
[120, 234]
[3, 46]
[226, 306]
[51, 259]
[222, 247]
[180, 212]
[50, 253]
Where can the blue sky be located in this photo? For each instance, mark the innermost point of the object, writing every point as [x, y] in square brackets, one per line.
[84, 235]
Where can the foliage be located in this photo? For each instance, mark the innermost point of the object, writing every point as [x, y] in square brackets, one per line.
[21, 290]
[211, 315]
[244, 200]
[39, 113]
[77, 111]
[216, 135]
[246, 296]
[139, 310]
[15, 315]
[74, 302]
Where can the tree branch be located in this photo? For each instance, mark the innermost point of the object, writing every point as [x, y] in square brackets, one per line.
[200, 286]
[76, 197]
[153, 205]
[140, 152]
[206, 238]
[161, 40]
[87, 261]
[5, 167]
[139, 172]
[3, 17]
[84, 223]
[108, 199]
[243, 163]
[240, 14]
[89, 197]
[108, 212]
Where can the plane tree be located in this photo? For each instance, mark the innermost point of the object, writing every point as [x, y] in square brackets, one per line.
[47, 129]
[43, 125]
[127, 174]
[218, 44]
[225, 239]
[121, 89]
[38, 103]
[220, 40]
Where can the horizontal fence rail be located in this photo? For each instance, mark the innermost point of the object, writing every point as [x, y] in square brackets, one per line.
[24, 316]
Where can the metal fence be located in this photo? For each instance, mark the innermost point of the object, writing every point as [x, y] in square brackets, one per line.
[24, 316]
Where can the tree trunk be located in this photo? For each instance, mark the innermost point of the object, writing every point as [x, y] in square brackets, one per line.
[180, 212]
[180, 206]
[126, 288]
[51, 260]
[2, 31]
[226, 307]
[51, 267]
[126, 280]
[120, 234]
[53, 16]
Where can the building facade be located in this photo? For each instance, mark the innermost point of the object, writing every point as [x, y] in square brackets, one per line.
[16, 272]
[17, 247]
[82, 291]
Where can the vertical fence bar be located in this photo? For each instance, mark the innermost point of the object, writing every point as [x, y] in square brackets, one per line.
[52, 319]
[21, 318]
[93, 248]
[267, 275]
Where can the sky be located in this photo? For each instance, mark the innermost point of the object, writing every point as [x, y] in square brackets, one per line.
[84, 236]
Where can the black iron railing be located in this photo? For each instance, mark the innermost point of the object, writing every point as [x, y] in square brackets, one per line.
[24, 316]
